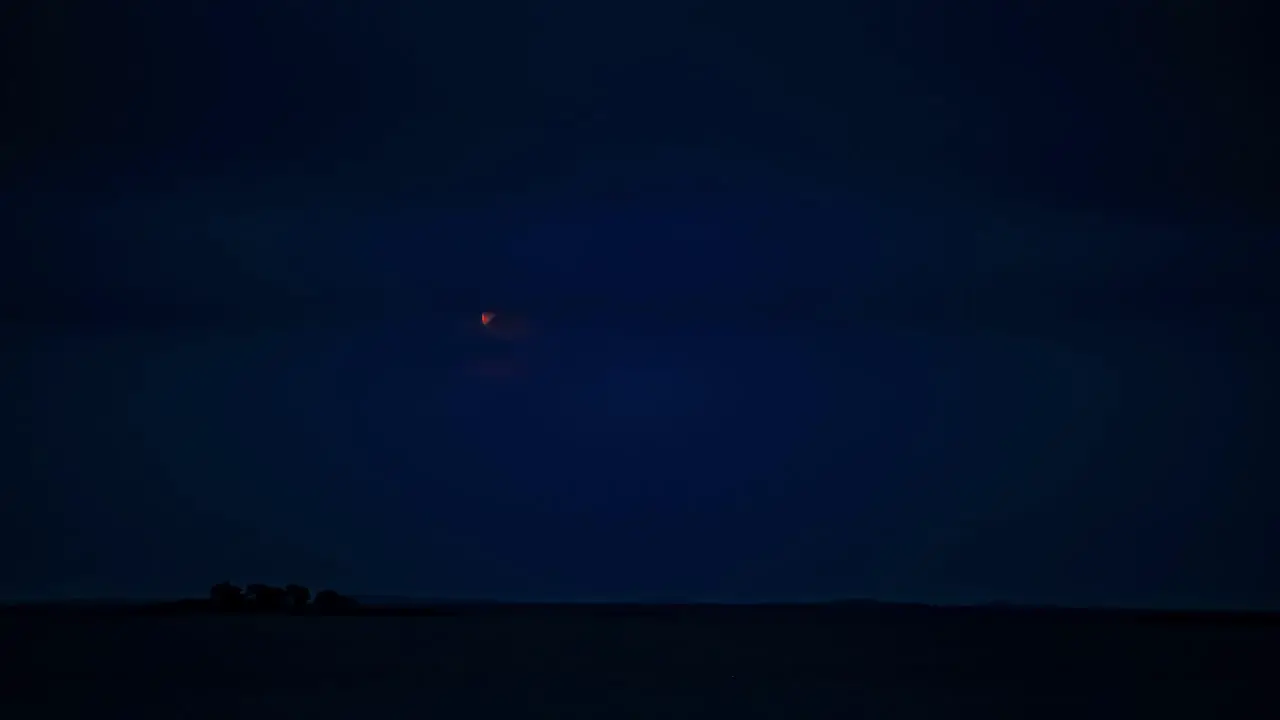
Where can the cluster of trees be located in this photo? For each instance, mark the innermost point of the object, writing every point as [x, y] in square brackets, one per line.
[227, 597]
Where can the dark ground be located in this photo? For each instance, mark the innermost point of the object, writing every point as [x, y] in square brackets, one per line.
[766, 663]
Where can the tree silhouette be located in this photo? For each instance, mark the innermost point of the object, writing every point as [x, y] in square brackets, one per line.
[225, 596]
[265, 597]
[298, 594]
[260, 597]
[326, 599]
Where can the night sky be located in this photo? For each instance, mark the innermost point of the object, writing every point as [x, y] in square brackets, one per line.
[913, 300]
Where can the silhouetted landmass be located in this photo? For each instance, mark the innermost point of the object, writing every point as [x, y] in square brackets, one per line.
[395, 658]
[262, 599]
[292, 600]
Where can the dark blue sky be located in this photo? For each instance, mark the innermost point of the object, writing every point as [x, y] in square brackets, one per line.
[914, 300]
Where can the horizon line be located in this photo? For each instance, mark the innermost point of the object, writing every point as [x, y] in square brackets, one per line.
[392, 601]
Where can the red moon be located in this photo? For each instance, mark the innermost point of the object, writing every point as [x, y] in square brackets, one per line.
[486, 318]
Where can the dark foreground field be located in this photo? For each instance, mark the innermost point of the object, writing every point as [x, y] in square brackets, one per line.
[706, 664]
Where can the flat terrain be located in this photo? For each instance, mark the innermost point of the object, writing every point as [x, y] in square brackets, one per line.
[736, 664]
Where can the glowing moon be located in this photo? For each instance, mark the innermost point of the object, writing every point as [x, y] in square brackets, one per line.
[486, 318]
